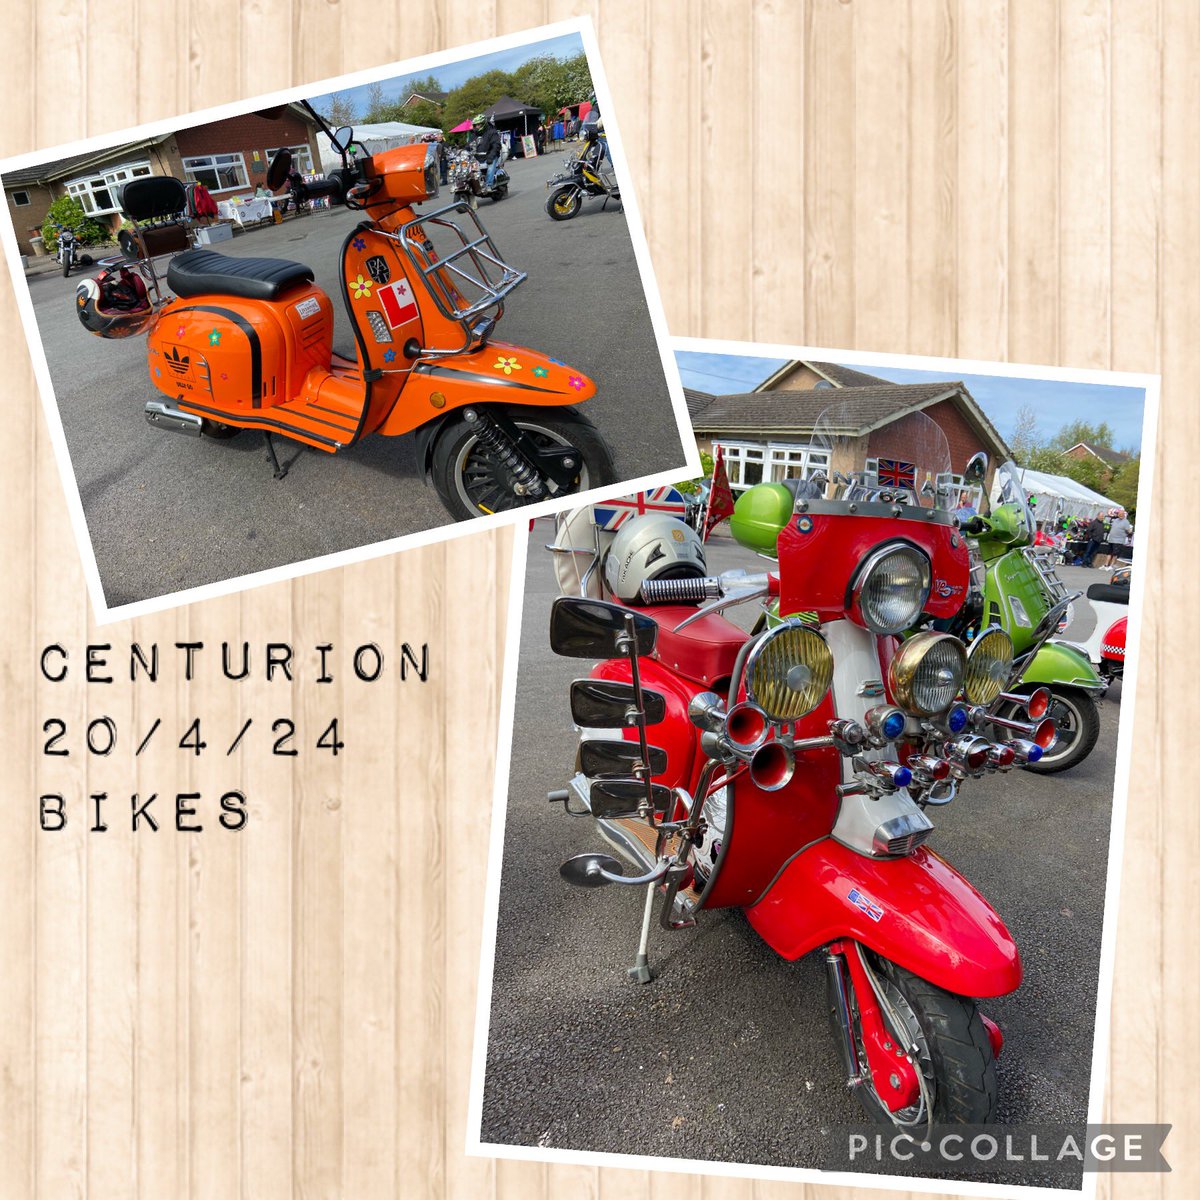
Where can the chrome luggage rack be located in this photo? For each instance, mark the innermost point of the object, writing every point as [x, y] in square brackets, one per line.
[461, 294]
[1041, 560]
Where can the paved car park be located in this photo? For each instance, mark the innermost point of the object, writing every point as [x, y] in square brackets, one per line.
[728, 1054]
[166, 512]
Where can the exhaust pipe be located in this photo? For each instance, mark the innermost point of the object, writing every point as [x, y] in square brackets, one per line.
[163, 416]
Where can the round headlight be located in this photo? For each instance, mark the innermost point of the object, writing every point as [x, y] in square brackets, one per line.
[892, 589]
[927, 673]
[989, 664]
[788, 671]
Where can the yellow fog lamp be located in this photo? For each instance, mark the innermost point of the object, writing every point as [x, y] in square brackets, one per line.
[789, 670]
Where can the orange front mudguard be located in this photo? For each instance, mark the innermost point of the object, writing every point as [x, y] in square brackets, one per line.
[499, 373]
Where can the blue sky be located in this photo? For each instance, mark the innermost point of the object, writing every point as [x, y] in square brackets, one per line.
[1000, 397]
[454, 74]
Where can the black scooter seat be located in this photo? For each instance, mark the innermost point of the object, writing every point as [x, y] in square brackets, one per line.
[1108, 593]
[198, 272]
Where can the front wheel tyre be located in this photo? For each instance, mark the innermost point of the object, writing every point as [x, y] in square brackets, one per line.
[954, 1052]
[1077, 720]
[471, 482]
[66, 267]
[563, 203]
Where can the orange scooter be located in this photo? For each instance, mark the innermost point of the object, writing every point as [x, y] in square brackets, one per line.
[247, 343]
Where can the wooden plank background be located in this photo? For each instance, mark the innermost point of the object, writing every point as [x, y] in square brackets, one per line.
[289, 1011]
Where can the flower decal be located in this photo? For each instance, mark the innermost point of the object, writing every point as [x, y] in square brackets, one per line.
[540, 372]
[214, 338]
[389, 356]
[576, 381]
[507, 365]
[179, 331]
[558, 362]
[158, 372]
[362, 288]
[359, 243]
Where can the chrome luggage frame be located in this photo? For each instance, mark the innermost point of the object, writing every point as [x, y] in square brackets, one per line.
[492, 279]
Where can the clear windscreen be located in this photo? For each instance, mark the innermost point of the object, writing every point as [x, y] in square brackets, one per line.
[1009, 490]
[869, 458]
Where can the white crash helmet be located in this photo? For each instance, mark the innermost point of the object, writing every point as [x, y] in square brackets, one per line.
[648, 547]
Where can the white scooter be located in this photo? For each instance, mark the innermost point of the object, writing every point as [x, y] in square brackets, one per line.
[1105, 647]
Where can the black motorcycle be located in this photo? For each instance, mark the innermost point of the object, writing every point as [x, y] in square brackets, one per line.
[70, 252]
[582, 176]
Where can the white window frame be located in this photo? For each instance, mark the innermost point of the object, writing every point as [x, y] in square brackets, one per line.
[21, 203]
[303, 148]
[111, 180]
[216, 163]
[779, 460]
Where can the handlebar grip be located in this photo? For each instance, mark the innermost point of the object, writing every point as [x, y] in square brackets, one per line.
[325, 187]
[681, 591]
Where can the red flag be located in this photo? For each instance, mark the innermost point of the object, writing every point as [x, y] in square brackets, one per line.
[720, 496]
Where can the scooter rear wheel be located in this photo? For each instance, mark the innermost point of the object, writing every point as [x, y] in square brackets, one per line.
[954, 1052]
[470, 482]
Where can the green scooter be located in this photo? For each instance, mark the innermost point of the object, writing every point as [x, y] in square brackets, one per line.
[1014, 585]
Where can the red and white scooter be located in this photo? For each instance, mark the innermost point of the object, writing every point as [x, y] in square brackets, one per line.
[1106, 645]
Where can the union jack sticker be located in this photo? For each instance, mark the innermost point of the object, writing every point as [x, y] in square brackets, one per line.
[612, 514]
[865, 904]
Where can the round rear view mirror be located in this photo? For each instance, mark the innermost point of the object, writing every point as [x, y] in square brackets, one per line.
[279, 169]
[590, 870]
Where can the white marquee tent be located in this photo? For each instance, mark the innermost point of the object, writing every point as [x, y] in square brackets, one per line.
[385, 135]
[1058, 495]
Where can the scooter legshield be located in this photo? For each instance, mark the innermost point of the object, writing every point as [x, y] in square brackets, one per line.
[917, 910]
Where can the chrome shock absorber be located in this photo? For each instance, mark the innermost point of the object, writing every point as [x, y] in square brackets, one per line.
[528, 481]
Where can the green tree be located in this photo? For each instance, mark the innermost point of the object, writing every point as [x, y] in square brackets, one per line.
[1082, 431]
[476, 94]
[688, 486]
[339, 111]
[1124, 486]
[68, 212]
[1024, 440]
[430, 83]
[376, 103]
[422, 112]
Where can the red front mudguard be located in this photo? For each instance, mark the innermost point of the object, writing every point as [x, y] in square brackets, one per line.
[917, 911]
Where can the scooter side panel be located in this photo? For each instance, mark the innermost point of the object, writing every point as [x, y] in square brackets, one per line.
[1057, 663]
[917, 910]
[499, 373]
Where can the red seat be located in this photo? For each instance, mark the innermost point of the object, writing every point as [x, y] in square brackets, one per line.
[705, 650]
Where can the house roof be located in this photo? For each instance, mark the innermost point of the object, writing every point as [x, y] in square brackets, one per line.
[696, 400]
[831, 372]
[1106, 454]
[797, 411]
[436, 97]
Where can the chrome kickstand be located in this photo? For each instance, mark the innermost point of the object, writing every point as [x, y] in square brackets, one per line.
[640, 971]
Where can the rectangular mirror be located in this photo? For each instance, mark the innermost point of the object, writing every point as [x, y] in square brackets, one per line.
[606, 704]
[612, 799]
[607, 757]
[582, 628]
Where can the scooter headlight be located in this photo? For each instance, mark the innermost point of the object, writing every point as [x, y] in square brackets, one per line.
[989, 664]
[927, 673]
[788, 671]
[892, 589]
[432, 179]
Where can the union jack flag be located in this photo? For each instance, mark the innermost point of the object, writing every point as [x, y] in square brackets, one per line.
[612, 514]
[893, 472]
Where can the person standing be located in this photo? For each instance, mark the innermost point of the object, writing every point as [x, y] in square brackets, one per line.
[1120, 534]
[1095, 539]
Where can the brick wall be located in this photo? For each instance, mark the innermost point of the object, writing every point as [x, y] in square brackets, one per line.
[27, 216]
[963, 439]
[244, 135]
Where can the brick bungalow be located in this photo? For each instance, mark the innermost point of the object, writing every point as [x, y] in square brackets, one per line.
[229, 157]
[767, 434]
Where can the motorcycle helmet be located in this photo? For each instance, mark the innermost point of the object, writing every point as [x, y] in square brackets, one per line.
[114, 304]
[478, 121]
[648, 547]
